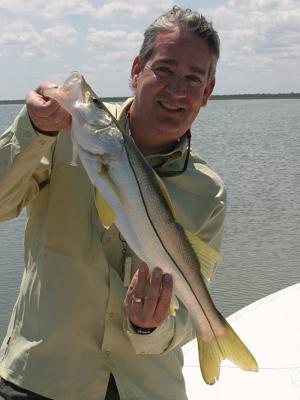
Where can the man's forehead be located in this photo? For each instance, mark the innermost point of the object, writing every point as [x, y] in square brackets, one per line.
[180, 37]
[174, 46]
[174, 62]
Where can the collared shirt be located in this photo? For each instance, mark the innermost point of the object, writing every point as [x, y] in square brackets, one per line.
[68, 330]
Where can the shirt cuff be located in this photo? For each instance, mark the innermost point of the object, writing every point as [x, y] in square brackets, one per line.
[24, 133]
[156, 342]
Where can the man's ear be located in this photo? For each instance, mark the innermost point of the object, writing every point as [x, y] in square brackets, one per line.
[208, 91]
[135, 71]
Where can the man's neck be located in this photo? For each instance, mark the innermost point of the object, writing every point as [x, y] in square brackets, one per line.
[143, 139]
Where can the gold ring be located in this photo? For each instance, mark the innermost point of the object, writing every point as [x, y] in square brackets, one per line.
[137, 299]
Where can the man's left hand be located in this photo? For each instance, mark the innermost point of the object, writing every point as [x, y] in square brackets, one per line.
[147, 306]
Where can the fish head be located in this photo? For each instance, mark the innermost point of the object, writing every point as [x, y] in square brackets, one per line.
[94, 129]
[75, 95]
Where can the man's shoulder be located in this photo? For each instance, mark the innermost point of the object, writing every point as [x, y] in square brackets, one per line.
[201, 170]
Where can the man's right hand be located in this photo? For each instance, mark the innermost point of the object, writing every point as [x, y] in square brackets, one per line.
[46, 114]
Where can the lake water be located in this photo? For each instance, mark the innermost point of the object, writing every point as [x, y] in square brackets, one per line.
[255, 146]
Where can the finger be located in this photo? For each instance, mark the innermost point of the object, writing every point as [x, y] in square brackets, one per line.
[153, 294]
[36, 97]
[163, 304]
[58, 119]
[137, 291]
[132, 286]
[140, 283]
[46, 114]
[128, 297]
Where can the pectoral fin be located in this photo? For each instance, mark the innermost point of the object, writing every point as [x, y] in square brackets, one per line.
[174, 305]
[105, 212]
[207, 256]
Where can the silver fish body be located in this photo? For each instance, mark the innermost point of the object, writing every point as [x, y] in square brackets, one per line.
[144, 217]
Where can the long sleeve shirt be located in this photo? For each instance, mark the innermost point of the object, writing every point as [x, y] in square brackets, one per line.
[68, 331]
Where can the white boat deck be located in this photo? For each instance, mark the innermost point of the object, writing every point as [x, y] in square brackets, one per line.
[271, 329]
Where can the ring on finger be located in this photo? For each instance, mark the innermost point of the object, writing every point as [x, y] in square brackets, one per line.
[137, 299]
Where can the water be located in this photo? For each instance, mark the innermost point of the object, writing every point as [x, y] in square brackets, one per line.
[255, 146]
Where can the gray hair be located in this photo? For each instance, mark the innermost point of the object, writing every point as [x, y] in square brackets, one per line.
[186, 20]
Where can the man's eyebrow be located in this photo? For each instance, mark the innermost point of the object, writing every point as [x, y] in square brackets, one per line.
[193, 68]
[199, 70]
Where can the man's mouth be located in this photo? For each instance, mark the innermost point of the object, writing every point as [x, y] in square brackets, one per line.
[170, 107]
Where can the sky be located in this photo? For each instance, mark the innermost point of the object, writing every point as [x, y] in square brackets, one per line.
[46, 40]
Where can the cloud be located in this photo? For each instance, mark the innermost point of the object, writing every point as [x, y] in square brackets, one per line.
[32, 42]
[260, 33]
[61, 34]
[53, 9]
[113, 45]
[132, 9]
[109, 8]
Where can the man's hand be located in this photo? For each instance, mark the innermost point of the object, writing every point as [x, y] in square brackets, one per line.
[147, 306]
[46, 114]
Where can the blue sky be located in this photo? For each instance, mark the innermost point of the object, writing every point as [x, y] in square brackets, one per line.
[40, 40]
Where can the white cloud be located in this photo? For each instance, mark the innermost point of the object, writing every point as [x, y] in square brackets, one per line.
[53, 9]
[109, 8]
[61, 34]
[132, 9]
[260, 45]
[263, 5]
[113, 45]
[34, 43]
[258, 32]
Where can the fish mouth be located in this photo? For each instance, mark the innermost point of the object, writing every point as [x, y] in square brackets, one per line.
[170, 107]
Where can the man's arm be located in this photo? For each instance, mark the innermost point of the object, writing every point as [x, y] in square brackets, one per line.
[25, 152]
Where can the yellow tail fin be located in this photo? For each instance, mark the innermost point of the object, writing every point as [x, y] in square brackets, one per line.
[227, 346]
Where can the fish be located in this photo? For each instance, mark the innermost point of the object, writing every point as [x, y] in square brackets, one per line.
[131, 195]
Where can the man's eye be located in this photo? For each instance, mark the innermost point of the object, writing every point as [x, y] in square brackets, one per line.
[163, 71]
[195, 80]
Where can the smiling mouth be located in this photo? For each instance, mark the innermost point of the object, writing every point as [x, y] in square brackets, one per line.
[170, 108]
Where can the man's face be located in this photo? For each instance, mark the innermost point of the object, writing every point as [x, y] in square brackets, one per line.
[170, 89]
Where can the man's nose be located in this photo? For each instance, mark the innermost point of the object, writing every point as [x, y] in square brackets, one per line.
[177, 87]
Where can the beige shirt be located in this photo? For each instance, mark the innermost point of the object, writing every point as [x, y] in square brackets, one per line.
[68, 330]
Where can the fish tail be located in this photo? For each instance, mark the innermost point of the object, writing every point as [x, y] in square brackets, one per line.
[227, 346]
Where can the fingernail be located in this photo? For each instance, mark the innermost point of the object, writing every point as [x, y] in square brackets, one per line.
[157, 272]
[167, 278]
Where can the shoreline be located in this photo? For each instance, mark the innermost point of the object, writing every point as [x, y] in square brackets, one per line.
[256, 96]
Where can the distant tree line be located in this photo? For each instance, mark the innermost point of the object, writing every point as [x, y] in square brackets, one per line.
[213, 97]
[256, 96]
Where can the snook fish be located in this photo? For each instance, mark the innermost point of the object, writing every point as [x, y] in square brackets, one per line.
[131, 195]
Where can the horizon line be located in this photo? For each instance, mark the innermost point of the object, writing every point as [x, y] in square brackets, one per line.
[212, 97]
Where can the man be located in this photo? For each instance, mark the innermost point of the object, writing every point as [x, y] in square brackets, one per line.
[77, 332]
